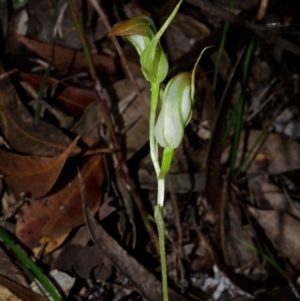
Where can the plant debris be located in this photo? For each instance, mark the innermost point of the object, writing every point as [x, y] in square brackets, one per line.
[77, 185]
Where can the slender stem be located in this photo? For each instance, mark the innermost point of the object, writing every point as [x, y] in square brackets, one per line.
[160, 191]
[152, 142]
[158, 214]
[161, 238]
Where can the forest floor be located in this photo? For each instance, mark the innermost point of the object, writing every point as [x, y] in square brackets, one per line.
[232, 211]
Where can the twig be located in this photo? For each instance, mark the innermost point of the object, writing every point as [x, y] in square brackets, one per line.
[225, 15]
[119, 50]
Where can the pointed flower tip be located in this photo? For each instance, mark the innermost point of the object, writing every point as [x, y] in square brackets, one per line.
[117, 30]
[139, 25]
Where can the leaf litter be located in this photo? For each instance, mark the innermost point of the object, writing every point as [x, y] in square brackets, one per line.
[207, 209]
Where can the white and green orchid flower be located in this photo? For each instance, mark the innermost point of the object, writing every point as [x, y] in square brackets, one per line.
[141, 32]
[175, 114]
[176, 109]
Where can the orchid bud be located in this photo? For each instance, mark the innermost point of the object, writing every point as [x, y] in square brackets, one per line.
[139, 31]
[175, 112]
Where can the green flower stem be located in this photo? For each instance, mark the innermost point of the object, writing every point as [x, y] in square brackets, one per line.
[166, 162]
[153, 144]
[158, 214]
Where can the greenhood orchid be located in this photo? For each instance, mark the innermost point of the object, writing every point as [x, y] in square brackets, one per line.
[141, 32]
[175, 114]
[167, 130]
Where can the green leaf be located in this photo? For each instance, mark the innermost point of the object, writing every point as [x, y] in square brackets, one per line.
[29, 264]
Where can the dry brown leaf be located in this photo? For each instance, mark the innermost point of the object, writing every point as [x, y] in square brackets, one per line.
[72, 99]
[281, 229]
[86, 259]
[33, 175]
[21, 132]
[75, 100]
[51, 220]
[130, 114]
[67, 59]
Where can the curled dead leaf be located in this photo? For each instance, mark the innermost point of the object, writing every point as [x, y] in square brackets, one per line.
[33, 175]
[50, 220]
